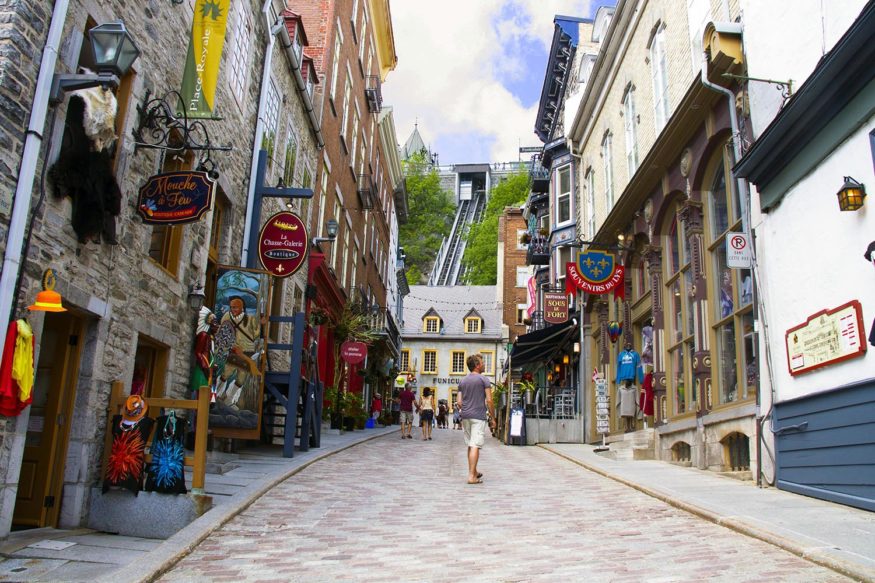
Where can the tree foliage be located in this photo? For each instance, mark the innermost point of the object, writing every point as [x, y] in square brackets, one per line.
[480, 262]
[430, 214]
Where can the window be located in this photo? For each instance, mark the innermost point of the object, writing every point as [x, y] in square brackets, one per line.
[166, 240]
[277, 307]
[344, 267]
[220, 210]
[429, 361]
[404, 366]
[431, 324]
[488, 361]
[335, 66]
[291, 158]
[473, 325]
[240, 51]
[734, 340]
[298, 302]
[680, 326]
[660, 78]
[344, 124]
[563, 256]
[457, 362]
[363, 35]
[271, 123]
[608, 160]
[521, 313]
[563, 195]
[629, 122]
[338, 206]
[150, 368]
[522, 276]
[353, 140]
[590, 202]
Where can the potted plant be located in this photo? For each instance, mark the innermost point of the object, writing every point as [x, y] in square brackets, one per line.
[525, 238]
[353, 409]
[527, 391]
[499, 395]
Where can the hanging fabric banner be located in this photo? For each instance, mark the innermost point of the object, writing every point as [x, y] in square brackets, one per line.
[202, 62]
[595, 273]
[533, 296]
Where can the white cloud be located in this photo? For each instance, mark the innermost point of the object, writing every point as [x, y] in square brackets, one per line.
[451, 56]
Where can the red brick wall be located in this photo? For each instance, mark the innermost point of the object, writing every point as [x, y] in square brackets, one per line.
[511, 221]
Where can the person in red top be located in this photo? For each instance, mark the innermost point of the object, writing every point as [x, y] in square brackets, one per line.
[377, 406]
[405, 399]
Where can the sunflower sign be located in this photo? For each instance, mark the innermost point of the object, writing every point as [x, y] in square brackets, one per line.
[595, 272]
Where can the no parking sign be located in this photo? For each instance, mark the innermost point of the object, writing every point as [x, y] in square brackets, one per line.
[738, 251]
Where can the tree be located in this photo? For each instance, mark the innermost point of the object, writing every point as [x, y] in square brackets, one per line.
[480, 262]
[430, 214]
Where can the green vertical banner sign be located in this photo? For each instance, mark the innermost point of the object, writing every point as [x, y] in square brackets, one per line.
[204, 54]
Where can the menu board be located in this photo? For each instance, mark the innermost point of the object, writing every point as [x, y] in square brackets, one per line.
[827, 337]
[602, 408]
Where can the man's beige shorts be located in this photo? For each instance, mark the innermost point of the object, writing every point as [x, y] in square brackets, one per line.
[475, 432]
[406, 417]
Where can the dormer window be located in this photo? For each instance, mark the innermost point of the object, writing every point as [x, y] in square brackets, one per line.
[308, 72]
[296, 33]
[431, 324]
[473, 323]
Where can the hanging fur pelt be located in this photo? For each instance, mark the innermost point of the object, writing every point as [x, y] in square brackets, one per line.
[98, 119]
[86, 176]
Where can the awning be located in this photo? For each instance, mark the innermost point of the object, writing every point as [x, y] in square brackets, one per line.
[541, 344]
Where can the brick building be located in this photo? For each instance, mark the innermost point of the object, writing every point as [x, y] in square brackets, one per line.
[513, 272]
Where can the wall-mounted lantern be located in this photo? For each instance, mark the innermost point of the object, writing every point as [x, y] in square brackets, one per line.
[851, 195]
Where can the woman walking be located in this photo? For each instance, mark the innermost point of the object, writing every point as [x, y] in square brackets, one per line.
[426, 412]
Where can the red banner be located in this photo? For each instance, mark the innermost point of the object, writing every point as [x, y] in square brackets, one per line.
[533, 296]
[574, 280]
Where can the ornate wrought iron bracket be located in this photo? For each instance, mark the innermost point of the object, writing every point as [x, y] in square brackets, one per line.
[785, 87]
[161, 128]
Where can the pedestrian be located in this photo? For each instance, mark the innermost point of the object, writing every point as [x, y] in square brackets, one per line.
[425, 405]
[396, 408]
[457, 418]
[442, 414]
[405, 406]
[475, 401]
[377, 406]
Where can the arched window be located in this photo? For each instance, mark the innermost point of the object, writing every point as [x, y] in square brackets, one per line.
[733, 347]
[680, 328]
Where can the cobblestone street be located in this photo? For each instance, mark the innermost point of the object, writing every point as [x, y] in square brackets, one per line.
[393, 510]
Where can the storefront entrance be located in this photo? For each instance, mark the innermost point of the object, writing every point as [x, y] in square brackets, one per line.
[38, 502]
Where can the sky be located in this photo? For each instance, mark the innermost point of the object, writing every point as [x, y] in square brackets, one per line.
[470, 73]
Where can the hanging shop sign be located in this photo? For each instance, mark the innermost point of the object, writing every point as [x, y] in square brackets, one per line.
[283, 244]
[595, 272]
[174, 198]
[353, 352]
[533, 296]
[555, 307]
[198, 92]
[827, 337]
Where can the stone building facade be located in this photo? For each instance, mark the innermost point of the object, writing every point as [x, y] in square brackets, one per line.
[126, 290]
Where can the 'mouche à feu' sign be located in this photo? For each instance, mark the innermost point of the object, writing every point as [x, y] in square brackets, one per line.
[283, 244]
[174, 198]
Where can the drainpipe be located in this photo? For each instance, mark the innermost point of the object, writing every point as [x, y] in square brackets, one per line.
[272, 30]
[301, 86]
[12, 262]
[744, 196]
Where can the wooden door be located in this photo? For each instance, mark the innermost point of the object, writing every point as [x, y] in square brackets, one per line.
[42, 468]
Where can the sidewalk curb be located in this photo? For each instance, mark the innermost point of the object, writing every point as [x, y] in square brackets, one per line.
[813, 554]
[175, 548]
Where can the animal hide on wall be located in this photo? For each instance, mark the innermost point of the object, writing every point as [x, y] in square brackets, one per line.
[98, 119]
[86, 176]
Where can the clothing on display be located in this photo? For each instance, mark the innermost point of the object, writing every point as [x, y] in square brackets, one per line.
[124, 467]
[646, 404]
[166, 473]
[628, 366]
[627, 400]
[16, 370]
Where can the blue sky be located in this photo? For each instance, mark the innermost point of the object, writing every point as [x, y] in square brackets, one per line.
[470, 73]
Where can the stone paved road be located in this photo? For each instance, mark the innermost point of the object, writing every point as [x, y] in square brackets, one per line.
[399, 510]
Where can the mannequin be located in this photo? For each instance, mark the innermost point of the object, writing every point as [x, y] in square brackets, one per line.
[628, 369]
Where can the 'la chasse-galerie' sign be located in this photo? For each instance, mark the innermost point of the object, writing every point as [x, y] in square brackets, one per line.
[555, 307]
[283, 244]
[174, 198]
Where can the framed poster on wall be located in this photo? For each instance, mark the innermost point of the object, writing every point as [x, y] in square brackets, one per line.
[242, 308]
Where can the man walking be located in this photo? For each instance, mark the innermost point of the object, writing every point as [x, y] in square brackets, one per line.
[405, 400]
[474, 400]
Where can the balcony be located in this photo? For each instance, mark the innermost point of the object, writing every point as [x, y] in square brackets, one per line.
[366, 191]
[374, 93]
[540, 177]
[538, 252]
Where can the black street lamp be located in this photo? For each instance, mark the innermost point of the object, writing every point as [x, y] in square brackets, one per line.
[114, 53]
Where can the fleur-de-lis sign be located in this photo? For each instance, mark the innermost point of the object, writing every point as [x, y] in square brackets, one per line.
[211, 9]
